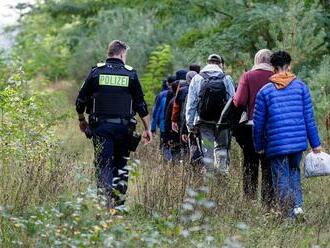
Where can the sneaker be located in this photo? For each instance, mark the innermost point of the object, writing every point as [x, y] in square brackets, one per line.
[221, 162]
[299, 215]
[298, 211]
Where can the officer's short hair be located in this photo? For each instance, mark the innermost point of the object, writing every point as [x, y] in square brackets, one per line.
[116, 47]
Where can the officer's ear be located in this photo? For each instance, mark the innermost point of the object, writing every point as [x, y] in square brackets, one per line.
[123, 55]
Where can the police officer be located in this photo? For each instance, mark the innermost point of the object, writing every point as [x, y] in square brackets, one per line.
[111, 95]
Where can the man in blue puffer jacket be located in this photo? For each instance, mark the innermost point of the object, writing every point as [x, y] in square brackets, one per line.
[283, 122]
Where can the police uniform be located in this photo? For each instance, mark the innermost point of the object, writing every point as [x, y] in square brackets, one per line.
[111, 95]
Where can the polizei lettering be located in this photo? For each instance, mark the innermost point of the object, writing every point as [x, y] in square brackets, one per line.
[114, 80]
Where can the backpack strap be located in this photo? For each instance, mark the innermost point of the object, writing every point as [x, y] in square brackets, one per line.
[206, 76]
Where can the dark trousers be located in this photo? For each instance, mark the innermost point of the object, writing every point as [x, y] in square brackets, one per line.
[251, 169]
[111, 155]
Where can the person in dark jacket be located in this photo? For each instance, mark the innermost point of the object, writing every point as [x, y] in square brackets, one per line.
[172, 137]
[250, 83]
[283, 122]
[158, 116]
[180, 99]
[111, 95]
[179, 75]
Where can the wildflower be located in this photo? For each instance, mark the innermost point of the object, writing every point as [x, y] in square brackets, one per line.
[112, 211]
[96, 228]
[104, 225]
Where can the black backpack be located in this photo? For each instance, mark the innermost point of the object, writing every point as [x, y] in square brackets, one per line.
[212, 97]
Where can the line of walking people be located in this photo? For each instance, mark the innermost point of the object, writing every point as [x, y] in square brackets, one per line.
[270, 115]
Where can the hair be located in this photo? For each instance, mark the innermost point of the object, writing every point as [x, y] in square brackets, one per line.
[262, 56]
[116, 47]
[195, 67]
[280, 59]
[171, 79]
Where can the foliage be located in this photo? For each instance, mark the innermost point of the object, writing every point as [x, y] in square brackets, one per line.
[57, 37]
[71, 222]
[47, 197]
[25, 121]
[28, 143]
[4, 69]
[239, 37]
[320, 87]
[40, 47]
[139, 34]
[158, 68]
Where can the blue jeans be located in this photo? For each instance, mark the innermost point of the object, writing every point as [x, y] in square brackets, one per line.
[111, 155]
[286, 181]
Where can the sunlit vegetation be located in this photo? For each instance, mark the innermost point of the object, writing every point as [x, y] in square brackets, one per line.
[48, 197]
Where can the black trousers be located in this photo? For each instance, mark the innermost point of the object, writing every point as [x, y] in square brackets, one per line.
[251, 168]
[111, 155]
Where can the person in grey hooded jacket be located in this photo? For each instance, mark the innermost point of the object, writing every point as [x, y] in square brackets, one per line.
[215, 146]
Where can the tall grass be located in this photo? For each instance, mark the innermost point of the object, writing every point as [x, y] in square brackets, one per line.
[48, 194]
[156, 192]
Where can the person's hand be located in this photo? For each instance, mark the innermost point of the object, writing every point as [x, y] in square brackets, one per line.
[147, 137]
[261, 152]
[83, 125]
[184, 138]
[317, 149]
[175, 127]
[194, 130]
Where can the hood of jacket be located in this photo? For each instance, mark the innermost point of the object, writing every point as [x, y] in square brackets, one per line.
[262, 66]
[282, 80]
[211, 69]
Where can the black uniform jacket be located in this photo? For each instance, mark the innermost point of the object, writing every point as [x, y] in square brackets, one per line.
[112, 90]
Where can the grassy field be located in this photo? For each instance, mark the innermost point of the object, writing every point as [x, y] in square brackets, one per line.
[51, 201]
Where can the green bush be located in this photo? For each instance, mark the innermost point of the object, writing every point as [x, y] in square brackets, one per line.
[320, 88]
[158, 68]
[122, 24]
[28, 143]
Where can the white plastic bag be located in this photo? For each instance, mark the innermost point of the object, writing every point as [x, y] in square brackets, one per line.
[317, 164]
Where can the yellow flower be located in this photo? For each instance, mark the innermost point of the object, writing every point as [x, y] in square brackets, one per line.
[105, 225]
[96, 228]
[112, 211]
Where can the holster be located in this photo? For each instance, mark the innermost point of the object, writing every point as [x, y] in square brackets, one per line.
[134, 137]
[89, 132]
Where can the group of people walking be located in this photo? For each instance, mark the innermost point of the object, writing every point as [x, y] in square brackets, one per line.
[197, 113]
[271, 119]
